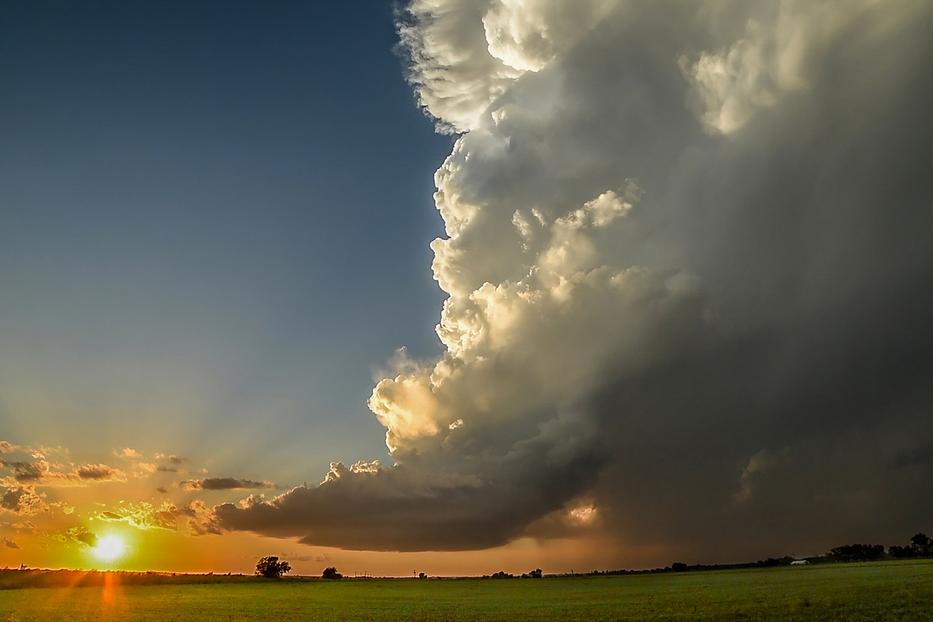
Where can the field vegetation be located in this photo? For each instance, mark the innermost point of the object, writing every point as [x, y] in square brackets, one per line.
[886, 590]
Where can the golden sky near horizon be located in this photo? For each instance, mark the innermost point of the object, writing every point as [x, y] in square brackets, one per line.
[142, 502]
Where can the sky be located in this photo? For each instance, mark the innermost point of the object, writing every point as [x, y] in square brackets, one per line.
[463, 285]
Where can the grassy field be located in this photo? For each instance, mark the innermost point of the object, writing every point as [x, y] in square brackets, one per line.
[875, 591]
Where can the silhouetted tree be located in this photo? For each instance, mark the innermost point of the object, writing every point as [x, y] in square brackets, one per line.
[901, 552]
[331, 573]
[678, 566]
[421, 575]
[271, 568]
[535, 574]
[857, 552]
[922, 544]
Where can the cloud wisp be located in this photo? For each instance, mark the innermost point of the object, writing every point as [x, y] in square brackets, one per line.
[223, 483]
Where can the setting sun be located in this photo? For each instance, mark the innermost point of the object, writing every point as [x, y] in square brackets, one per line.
[109, 548]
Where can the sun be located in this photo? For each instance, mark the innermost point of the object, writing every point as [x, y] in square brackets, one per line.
[109, 548]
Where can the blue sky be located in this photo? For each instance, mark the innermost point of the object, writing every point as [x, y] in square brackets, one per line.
[215, 217]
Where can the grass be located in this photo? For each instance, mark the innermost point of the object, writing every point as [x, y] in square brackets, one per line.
[900, 590]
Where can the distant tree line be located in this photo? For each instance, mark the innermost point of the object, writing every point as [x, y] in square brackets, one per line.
[920, 545]
[857, 552]
[537, 573]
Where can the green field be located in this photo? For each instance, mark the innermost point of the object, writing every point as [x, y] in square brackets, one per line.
[874, 591]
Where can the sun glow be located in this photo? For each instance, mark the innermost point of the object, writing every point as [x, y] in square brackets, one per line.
[109, 548]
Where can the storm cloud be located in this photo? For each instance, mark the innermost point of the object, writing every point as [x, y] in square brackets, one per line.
[689, 274]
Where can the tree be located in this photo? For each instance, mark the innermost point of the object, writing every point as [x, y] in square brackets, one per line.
[857, 552]
[922, 544]
[271, 568]
[901, 552]
[331, 573]
[535, 574]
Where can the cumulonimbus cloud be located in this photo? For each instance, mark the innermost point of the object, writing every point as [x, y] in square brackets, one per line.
[688, 268]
